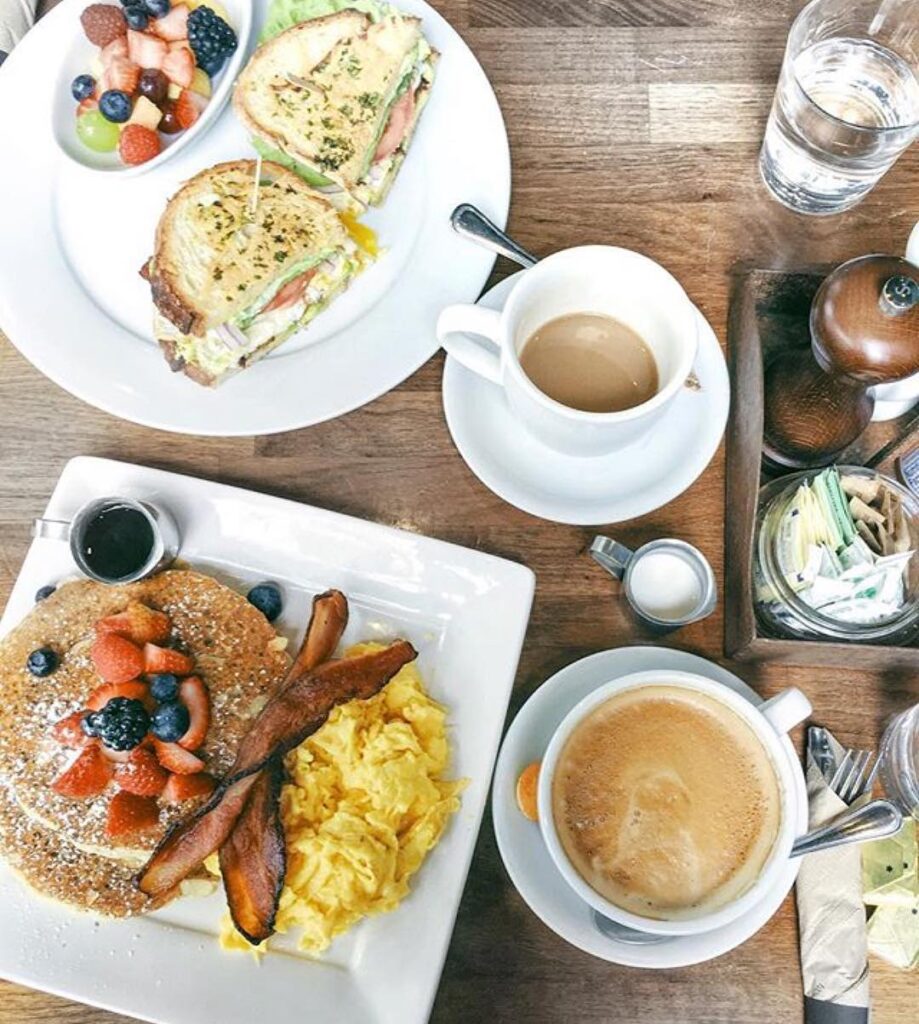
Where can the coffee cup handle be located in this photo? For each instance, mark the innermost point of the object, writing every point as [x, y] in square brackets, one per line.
[51, 529]
[613, 556]
[456, 323]
[786, 710]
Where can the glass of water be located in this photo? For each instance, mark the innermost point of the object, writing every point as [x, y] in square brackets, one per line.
[899, 754]
[847, 102]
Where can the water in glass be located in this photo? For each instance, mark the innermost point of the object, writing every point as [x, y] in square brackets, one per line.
[844, 109]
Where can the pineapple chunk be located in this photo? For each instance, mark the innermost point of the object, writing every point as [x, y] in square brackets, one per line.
[175, 91]
[146, 113]
[201, 83]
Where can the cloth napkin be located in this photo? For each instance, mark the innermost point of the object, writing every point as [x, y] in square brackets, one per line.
[831, 918]
[16, 18]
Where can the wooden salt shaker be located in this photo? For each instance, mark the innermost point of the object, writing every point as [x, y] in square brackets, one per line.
[864, 325]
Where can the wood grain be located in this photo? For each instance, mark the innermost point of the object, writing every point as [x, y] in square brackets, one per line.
[632, 123]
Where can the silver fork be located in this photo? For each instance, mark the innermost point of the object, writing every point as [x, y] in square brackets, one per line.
[852, 778]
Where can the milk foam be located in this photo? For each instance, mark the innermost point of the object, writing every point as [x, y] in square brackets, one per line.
[666, 802]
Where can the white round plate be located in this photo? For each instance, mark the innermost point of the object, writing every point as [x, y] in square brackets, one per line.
[611, 488]
[521, 844]
[71, 299]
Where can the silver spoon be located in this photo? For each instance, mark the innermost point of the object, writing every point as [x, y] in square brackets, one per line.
[471, 223]
[874, 820]
[620, 933]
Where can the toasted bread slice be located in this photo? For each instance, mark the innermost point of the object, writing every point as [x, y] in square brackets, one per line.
[215, 254]
[322, 93]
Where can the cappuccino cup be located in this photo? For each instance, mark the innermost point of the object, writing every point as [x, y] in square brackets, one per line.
[636, 293]
[667, 801]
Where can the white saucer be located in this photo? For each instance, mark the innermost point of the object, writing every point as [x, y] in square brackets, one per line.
[521, 845]
[586, 492]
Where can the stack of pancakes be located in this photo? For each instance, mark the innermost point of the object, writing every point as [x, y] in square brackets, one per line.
[59, 844]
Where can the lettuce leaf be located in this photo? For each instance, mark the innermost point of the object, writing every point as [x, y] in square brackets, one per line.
[282, 14]
[310, 176]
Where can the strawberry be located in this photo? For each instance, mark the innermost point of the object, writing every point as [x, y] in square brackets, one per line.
[135, 689]
[129, 814]
[176, 759]
[68, 731]
[102, 23]
[186, 110]
[193, 694]
[141, 774]
[118, 47]
[180, 788]
[145, 50]
[179, 66]
[87, 776]
[173, 25]
[137, 145]
[90, 103]
[164, 659]
[122, 74]
[139, 623]
[116, 659]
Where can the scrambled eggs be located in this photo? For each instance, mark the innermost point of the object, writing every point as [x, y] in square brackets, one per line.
[364, 806]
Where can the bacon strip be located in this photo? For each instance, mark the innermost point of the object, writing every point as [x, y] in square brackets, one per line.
[190, 841]
[253, 860]
[303, 706]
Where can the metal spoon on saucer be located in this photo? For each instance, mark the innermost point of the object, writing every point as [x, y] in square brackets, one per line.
[471, 223]
[620, 933]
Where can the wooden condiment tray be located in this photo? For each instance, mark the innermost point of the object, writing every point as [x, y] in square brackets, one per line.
[769, 313]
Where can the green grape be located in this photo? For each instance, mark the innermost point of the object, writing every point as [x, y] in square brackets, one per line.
[96, 132]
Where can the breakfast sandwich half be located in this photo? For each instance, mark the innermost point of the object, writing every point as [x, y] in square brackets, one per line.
[337, 99]
[245, 255]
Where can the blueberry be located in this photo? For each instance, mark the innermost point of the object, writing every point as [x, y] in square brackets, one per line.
[87, 724]
[44, 592]
[267, 598]
[42, 662]
[213, 66]
[136, 17]
[157, 8]
[121, 724]
[82, 87]
[170, 722]
[164, 687]
[115, 105]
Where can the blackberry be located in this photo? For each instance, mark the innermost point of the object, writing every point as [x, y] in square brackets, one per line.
[121, 724]
[209, 36]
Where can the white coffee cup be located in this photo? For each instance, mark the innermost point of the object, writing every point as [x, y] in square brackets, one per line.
[590, 279]
[770, 721]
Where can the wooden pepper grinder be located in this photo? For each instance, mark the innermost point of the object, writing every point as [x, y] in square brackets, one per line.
[864, 325]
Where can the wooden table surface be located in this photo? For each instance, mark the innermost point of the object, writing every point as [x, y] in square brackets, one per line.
[630, 122]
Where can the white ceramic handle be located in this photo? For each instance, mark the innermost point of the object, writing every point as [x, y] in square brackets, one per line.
[786, 710]
[454, 325]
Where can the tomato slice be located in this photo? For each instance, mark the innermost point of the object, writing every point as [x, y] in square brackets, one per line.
[291, 293]
[399, 119]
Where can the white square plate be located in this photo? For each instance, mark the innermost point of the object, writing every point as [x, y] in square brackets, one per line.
[466, 612]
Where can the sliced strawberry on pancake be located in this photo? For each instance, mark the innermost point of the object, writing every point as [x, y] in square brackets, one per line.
[87, 776]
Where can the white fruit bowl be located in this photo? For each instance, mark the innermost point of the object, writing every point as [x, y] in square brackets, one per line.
[77, 53]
